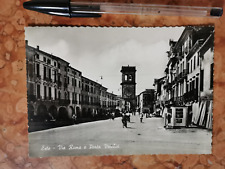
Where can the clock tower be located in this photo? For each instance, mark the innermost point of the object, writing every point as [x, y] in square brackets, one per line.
[129, 86]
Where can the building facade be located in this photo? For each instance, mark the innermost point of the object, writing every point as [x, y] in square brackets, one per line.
[59, 92]
[189, 73]
[161, 95]
[146, 101]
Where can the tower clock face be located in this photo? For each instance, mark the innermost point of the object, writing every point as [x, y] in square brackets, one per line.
[128, 91]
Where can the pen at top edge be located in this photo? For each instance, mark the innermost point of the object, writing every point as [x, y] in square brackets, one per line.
[95, 9]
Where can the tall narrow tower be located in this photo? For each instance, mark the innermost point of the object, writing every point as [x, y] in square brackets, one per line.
[129, 85]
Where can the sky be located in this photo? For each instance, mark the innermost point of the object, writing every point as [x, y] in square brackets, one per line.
[100, 52]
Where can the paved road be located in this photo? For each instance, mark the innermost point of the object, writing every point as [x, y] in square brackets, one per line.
[108, 137]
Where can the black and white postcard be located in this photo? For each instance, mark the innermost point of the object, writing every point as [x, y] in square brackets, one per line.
[119, 91]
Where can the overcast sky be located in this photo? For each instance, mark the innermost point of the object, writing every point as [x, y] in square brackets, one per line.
[103, 51]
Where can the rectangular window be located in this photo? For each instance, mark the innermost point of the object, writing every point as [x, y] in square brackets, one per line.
[50, 93]
[54, 63]
[187, 67]
[59, 65]
[49, 61]
[37, 56]
[194, 63]
[49, 73]
[193, 84]
[38, 91]
[68, 80]
[197, 86]
[211, 75]
[191, 67]
[198, 60]
[45, 92]
[38, 70]
[75, 96]
[72, 81]
[45, 72]
[55, 75]
[55, 94]
[201, 80]
[44, 59]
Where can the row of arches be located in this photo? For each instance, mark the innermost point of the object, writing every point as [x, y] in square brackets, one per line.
[42, 113]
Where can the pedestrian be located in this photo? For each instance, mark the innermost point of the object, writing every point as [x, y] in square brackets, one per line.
[74, 117]
[141, 117]
[124, 120]
[113, 115]
[127, 116]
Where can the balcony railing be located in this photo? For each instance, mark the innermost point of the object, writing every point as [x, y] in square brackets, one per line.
[47, 79]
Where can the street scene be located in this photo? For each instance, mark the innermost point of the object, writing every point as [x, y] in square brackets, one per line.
[108, 137]
[113, 91]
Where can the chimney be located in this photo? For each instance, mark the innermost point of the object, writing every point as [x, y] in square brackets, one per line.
[26, 42]
[37, 47]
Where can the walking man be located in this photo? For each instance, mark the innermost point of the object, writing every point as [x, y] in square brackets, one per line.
[141, 117]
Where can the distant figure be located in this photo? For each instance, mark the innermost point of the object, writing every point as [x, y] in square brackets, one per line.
[124, 120]
[74, 117]
[141, 117]
[113, 115]
[127, 116]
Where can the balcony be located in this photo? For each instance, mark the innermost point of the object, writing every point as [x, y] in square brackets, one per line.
[55, 81]
[38, 78]
[47, 79]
